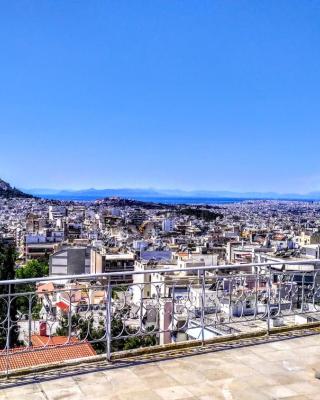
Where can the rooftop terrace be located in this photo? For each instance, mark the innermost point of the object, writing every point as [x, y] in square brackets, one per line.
[281, 367]
[257, 336]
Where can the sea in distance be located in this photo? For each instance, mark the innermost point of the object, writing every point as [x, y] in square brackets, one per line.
[160, 199]
[163, 200]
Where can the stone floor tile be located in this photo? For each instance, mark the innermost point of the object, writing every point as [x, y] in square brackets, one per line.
[35, 396]
[184, 377]
[265, 372]
[281, 345]
[279, 355]
[214, 374]
[298, 397]
[65, 394]
[101, 389]
[160, 381]
[140, 395]
[56, 384]
[90, 377]
[252, 395]
[124, 380]
[146, 370]
[174, 393]
[279, 392]
[202, 389]
[174, 366]
[18, 392]
[306, 388]
[103, 397]
[266, 367]
[284, 378]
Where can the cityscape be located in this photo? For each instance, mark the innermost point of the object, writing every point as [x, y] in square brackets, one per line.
[112, 277]
[160, 200]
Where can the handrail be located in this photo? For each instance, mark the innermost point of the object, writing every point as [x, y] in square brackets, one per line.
[153, 314]
[162, 270]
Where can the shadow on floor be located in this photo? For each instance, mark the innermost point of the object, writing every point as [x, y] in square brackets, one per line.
[101, 366]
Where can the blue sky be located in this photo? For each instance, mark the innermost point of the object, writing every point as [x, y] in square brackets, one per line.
[217, 95]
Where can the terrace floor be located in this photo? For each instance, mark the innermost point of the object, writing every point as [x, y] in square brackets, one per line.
[282, 369]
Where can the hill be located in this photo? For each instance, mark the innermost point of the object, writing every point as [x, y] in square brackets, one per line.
[6, 190]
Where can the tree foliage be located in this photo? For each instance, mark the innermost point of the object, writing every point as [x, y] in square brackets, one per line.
[200, 213]
[32, 269]
[84, 328]
[7, 303]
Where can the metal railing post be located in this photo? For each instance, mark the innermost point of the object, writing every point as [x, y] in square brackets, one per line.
[203, 304]
[141, 309]
[8, 330]
[230, 299]
[69, 317]
[30, 320]
[173, 312]
[108, 319]
[269, 301]
[302, 293]
[256, 286]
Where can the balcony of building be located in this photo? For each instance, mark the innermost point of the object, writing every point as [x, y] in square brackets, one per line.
[252, 333]
[282, 367]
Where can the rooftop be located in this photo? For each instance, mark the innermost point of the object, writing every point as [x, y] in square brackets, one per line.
[45, 351]
[282, 369]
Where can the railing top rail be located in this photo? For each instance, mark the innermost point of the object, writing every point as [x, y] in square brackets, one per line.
[106, 275]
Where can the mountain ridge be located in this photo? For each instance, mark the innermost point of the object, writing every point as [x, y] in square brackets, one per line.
[7, 191]
[151, 192]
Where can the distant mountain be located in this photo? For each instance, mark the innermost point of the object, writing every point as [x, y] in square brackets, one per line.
[166, 193]
[36, 191]
[6, 190]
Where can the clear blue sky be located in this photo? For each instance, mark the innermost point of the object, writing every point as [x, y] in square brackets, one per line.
[192, 94]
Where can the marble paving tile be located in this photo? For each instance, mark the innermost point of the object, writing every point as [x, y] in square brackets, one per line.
[174, 393]
[279, 391]
[272, 371]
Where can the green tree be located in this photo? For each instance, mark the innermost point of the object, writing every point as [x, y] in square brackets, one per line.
[32, 269]
[136, 342]
[132, 342]
[83, 329]
[7, 303]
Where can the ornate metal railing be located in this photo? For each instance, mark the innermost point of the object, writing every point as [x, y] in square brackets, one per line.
[57, 319]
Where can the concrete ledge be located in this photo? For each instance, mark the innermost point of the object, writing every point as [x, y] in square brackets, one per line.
[53, 366]
[153, 350]
[221, 339]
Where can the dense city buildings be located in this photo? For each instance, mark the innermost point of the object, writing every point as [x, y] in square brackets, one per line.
[114, 234]
[159, 273]
[121, 231]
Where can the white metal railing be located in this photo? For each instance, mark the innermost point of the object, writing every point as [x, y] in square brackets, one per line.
[96, 316]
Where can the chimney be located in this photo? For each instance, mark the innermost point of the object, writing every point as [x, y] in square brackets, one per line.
[43, 328]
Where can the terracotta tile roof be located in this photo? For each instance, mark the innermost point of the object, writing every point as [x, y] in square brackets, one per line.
[53, 353]
[62, 305]
[47, 287]
[40, 341]
[183, 254]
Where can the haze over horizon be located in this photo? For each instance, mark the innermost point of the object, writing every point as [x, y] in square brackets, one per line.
[169, 193]
[209, 95]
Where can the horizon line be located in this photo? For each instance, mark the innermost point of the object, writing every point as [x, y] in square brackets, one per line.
[163, 191]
